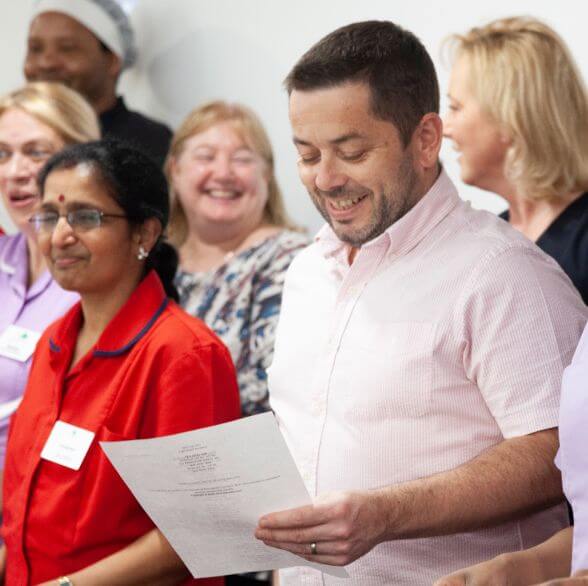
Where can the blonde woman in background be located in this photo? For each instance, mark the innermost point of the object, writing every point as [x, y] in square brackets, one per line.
[518, 117]
[234, 239]
[36, 121]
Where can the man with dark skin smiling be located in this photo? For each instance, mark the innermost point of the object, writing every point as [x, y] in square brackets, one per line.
[86, 44]
[421, 343]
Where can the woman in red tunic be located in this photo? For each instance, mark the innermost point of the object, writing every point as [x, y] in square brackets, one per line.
[125, 363]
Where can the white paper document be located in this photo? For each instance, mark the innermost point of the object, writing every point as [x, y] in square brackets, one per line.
[206, 490]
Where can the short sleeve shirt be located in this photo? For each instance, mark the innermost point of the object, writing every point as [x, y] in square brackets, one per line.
[447, 334]
[566, 240]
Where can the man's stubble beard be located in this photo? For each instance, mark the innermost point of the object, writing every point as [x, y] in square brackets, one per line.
[391, 207]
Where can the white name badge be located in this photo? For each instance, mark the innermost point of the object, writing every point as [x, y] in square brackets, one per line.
[67, 445]
[18, 343]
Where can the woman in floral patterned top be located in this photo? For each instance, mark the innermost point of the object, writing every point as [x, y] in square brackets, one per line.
[235, 242]
[234, 238]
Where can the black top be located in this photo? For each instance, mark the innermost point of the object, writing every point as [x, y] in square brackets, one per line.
[151, 137]
[566, 240]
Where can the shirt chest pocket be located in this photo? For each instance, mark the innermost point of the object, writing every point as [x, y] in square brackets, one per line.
[385, 371]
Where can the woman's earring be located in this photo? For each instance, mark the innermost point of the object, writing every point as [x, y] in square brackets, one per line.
[142, 254]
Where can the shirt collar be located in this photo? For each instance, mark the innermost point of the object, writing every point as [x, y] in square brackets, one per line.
[14, 254]
[129, 325]
[408, 231]
[15, 263]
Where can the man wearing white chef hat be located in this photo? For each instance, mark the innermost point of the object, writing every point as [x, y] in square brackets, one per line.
[86, 44]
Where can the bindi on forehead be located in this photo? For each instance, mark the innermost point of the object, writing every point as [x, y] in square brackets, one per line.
[61, 198]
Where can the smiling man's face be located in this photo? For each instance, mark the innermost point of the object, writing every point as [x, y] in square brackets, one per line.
[358, 173]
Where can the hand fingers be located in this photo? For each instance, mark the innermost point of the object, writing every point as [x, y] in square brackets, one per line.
[323, 548]
[307, 516]
[567, 582]
[302, 536]
[330, 560]
[453, 580]
[326, 552]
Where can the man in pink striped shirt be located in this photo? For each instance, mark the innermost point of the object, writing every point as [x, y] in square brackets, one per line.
[421, 343]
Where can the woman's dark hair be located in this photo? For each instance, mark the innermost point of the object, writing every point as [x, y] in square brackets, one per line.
[137, 185]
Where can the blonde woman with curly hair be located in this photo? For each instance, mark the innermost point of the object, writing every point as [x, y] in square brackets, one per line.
[233, 235]
[234, 239]
[518, 117]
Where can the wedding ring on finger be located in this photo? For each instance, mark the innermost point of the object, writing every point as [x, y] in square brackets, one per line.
[313, 548]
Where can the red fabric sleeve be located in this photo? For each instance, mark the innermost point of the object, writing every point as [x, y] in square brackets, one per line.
[197, 390]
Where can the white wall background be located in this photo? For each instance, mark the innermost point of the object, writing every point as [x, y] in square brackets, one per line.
[241, 50]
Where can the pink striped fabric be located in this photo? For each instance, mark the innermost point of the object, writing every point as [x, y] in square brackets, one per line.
[447, 334]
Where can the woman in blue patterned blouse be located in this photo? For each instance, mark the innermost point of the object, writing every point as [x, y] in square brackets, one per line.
[234, 238]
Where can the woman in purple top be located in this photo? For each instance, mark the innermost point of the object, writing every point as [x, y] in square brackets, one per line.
[572, 458]
[35, 122]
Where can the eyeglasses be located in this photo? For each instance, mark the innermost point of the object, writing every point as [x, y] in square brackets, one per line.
[80, 220]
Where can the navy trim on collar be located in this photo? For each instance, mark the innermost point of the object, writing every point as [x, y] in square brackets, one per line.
[53, 346]
[127, 347]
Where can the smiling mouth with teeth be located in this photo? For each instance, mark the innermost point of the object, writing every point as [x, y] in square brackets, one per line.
[223, 193]
[345, 204]
[22, 199]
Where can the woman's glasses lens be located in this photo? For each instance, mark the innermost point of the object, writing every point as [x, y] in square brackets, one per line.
[77, 219]
[84, 219]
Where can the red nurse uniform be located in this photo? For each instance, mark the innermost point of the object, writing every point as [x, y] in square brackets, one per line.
[154, 371]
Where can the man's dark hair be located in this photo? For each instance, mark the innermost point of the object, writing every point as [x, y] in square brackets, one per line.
[391, 60]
